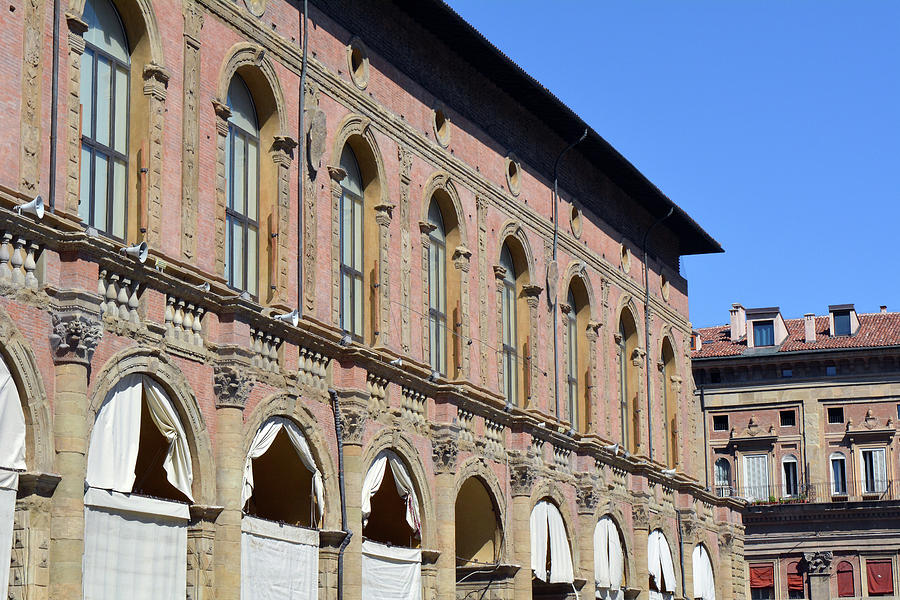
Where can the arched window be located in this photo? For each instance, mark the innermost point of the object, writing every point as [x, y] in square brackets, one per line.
[790, 479]
[609, 560]
[796, 589]
[551, 556]
[723, 478]
[571, 318]
[351, 208]
[242, 204]
[576, 314]
[660, 566]
[628, 382]
[509, 326]
[478, 532]
[704, 581]
[838, 474]
[670, 402]
[845, 584]
[437, 290]
[104, 73]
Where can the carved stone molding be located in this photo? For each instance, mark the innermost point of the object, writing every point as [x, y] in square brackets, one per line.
[76, 328]
[586, 494]
[284, 145]
[461, 258]
[223, 112]
[383, 214]
[521, 479]
[444, 450]
[231, 385]
[532, 290]
[818, 563]
[156, 80]
[499, 272]
[336, 173]
[640, 516]
[354, 415]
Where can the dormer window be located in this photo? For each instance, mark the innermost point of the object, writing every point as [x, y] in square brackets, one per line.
[763, 333]
[843, 319]
[842, 323]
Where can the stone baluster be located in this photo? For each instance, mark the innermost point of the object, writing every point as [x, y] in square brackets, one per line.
[170, 317]
[18, 259]
[178, 321]
[109, 308]
[101, 288]
[5, 272]
[198, 326]
[30, 266]
[188, 324]
[122, 299]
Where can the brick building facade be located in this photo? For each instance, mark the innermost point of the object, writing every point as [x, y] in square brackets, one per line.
[801, 419]
[417, 243]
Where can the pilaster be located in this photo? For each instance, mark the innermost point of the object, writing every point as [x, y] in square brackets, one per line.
[190, 129]
[819, 570]
[354, 414]
[444, 451]
[30, 568]
[521, 481]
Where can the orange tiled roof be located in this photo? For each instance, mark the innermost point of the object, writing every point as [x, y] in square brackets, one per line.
[875, 330]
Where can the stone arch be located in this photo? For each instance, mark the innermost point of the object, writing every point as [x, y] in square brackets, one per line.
[19, 358]
[129, 9]
[395, 440]
[549, 490]
[289, 406]
[626, 301]
[512, 229]
[477, 468]
[577, 269]
[355, 129]
[440, 182]
[614, 512]
[251, 62]
[149, 361]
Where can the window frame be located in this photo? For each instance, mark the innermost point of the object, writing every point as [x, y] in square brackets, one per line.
[572, 358]
[878, 486]
[783, 413]
[828, 415]
[355, 273]
[767, 325]
[845, 327]
[727, 423]
[838, 457]
[723, 486]
[437, 318]
[509, 326]
[747, 488]
[790, 482]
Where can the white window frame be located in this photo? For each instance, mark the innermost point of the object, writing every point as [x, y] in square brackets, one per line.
[788, 460]
[838, 457]
[752, 492]
[879, 484]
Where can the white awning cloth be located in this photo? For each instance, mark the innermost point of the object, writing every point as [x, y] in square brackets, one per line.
[546, 521]
[261, 444]
[659, 562]
[704, 582]
[278, 562]
[609, 560]
[115, 438]
[390, 572]
[403, 482]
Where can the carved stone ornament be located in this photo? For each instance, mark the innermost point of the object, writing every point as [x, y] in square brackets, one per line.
[499, 271]
[336, 173]
[521, 479]
[232, 386]
[587, 497]
[315, 137]
[819, 563]
[640, 516]
[752, 426]
[444, 451]
[353, 419]
[75, 336]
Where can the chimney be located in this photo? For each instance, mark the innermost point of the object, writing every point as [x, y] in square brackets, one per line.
[738, 322]
[809, 327]
[883, 309]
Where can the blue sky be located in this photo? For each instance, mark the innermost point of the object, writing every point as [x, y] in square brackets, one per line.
[775, 124]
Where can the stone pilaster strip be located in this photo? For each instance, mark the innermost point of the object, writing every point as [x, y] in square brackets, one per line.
[190, 129]
[156, 81]
[32, 72]
[405, 158]
[76, 27]
[222, 115]
[337, 174]
[481, 218]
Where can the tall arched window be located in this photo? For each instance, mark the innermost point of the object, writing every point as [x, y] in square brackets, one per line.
[509, 326]
[576, 314]
[572, 359]
[351, 245]
[838, 474]
[104, 120]
[790, 476]
[670, 424]
[628, 382]
[437, 290]
[845, 586]
[723, 478]
[242, 207]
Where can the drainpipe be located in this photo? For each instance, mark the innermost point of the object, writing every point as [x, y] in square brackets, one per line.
[339, 433]
[301, 154]
[555, 301]
[54, 107]
[647, 331]
[705, 443]
[681, 553]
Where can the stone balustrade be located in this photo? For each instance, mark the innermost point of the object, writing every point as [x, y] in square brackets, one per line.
[18, 261]
[184, 322]
[413, 406]
[266, 350]
[119, 297]
[313, 369]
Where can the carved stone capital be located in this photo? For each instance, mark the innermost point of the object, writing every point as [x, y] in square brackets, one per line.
[640, 516]
[405, 158]
[444, 450]
[76, 328]
[593, 330]
[77, 26]
[337, 174]
[565, 307]
[426, 227]
[818, 563]
[531, 290]
[499, 272]
[193, 22]
[223, 112]
[384, 212]
[283, 150]
[231, 385]
[156, 80]
[521, 479]
[637, 357]
[353, 419]
[461, 258]
[586, 495]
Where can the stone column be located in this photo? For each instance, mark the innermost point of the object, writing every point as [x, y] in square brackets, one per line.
[640, 518]
[231, 386]
[586, 498]
[819, 570]
[30, 568]
[689, 538]
[521, 479]
[354, 413]
[444, 451]
[726, 567]
[200, 555]
[76, 332]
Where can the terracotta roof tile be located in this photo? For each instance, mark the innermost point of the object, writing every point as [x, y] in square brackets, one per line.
[875, 330]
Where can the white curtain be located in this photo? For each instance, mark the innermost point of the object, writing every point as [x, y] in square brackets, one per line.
[546, 520]
[9, 483]
[704, 584]
[756, 477]
[391, 573]
[261, 444]
[609, 560]
[134, 547]
[402, 481]
[659, 561]
[115, 438]
[278, 562]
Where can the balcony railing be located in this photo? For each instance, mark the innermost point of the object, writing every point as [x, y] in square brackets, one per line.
[854, 491]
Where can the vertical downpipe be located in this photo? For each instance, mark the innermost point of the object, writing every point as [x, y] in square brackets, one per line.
[339, 434]
[54, 107]
[301, 157]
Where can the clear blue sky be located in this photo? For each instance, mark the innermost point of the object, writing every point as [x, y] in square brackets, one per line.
[775, 124]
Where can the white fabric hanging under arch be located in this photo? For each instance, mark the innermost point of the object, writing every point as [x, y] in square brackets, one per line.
[547, 521]
[12, 460]
[659, 564]
[115, 439]
[391, 573]
[402, 480]
[278, 562]
[264, 439]
[609, 560]
[704, 582]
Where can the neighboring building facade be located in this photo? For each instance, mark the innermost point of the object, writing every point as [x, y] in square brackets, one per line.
[800, 418]
[178, 432]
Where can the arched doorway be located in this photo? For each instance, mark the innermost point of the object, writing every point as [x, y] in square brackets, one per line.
[283, 500]
[660, 567]
[139, 478]
[551, 554]
[392, 532]
[609, 560]
[704, 581]
[12, 461]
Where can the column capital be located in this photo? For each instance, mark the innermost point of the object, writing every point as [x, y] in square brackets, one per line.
[818, 563]
[521, 477]
[354, 414]
[586, 495]
[76, 328]
[444, 449]
[156, 80]
[223, 113]
[232, 383]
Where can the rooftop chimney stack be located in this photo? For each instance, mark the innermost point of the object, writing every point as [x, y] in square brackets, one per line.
[738, 322]
[883, 309]
[809, 327]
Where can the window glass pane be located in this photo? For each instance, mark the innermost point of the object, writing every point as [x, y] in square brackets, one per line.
[118, 199]
[357, 235]
[433, 277]
[237, 255]
[87, 92]
[764, 334]
[104, 92]
[237, 173]
[228, 277]
[121, 116]
[84, 200]
[358, 305]
[229, 179]
[352, 181]
[252, 260]
[101, 191]
[346, 286]
[441, 289]
[346, 229]
[104, 28]
[252, 175]
[842, 323]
